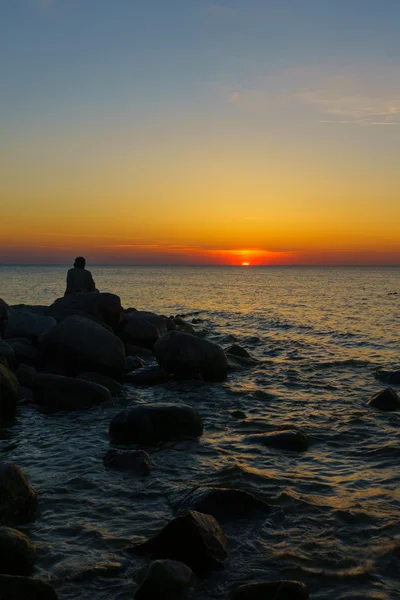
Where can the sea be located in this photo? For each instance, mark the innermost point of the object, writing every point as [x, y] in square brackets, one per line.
[318, 335]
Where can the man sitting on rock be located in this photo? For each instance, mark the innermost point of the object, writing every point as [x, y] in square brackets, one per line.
[79, 279]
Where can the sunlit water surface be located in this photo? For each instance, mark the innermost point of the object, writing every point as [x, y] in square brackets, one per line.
[318, 334]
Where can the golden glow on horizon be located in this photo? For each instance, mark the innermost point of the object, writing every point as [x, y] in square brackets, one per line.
[245, 264]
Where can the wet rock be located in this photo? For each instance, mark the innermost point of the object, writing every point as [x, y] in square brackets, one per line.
[18, 500]
[238, 414]
[25, 353]
[25, 588]
[3, 316]
[149, 423]
[133, 350]
[223, 503]
[27, 324]
[386, 400]
[26, 375]
[85, 346]
[25, 394]
[142, 328]
[110, 384]
[9, 388]
[165, 580]
[57, 392]
[104, 307]
[391, 377]
[151, 375]
[271, 590]
[286, 440]
[186, 355]
[132, 363]
[194, 538]
[8, 353]
[137, 461]
[184, 326]
[87, 572]
[237, 350]
[17, 555]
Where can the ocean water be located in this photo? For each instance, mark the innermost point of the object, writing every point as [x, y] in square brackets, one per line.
[318, 335]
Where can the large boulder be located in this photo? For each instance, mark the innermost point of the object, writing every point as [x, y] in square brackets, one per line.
[18, 499]
[9, 388]
[186, 355]
[142, 328]
[26, 375]
[136, 461]
[165, 580]
[104, 307]
[285, 440]
[25, 353]
[149, 423]
[3, 316]
[223, 503]
[194, 539]
[27, 324]
[56, 392]
[25, 588]
[17, 555]
[113, 386]
[271, 590]
[386, 400]
[84, 345]
[7, 352]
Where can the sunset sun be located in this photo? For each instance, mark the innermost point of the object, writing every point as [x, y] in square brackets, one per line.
[245, 264]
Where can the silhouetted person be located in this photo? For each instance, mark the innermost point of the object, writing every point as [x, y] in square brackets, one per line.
[79, 279]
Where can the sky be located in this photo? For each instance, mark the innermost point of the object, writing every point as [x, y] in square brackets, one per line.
[200, 132]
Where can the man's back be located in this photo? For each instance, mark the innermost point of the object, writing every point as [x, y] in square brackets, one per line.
[79, 280]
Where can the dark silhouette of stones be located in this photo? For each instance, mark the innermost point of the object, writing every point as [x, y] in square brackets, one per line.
[151, 375]
[132, 363]
[9, 388]
[386, 400]
[187, 356]
[3, 317]
[271, 590]
[26, 375]
[103, 307]
[238, 414]
[149, 423]
[17, 555]
[18, 500]
[165, 580]
[8, 353]
[285, 440]
[137, 461]
[142, 328]
[25, 588]
[138, 351]
[194, 539]
[87, 572]
[184, 326]
[237, 350]
[57, 392]
[25, 323]
[223, 503]
[391, 377]
[84, 345]
[25, 353]
[112, 386]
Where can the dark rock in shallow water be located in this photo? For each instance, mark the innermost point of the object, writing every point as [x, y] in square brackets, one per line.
[286, 440]
[237, 350]
[386, 400]
[132, 363]
[238, 414]
[17, 555]
[149, 423]
[133, 350]
[112, 386]
[195, 539]
[223, 503]
[186, 356]
[9, 387]
[165, 580]
[18, 500]
[56, 392]
[271, 590]
[391, 377]
[142, 328]
[25, 588]
[151, 375]
[184, 326]
[104, 307]
[70, 571]
[137, 461]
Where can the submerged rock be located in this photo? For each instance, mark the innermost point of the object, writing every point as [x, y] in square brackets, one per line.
[186, 355]
[18, 500]
[271, 590]
[223, 503]
[137, 461]
[391, 377]
[286, 440]
[182, 325]
[195, 539]
[165, 580]
[112, 386]
[149, 423]
[386, 400]
[151, 375]
[17, 555]
[238, 414]
[237, 350]
[9, 388]
[71, 571]
[57, 392]
[25, 588]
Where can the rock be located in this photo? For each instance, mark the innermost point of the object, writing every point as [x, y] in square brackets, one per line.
[151, 375]
[112, 386]
[165, 580]
[18, 499]
[137, 461]
[271, 590]
[70, 571]
[57, 392]
[132, 363]
[184, 326]
[27, 324]
[194, 538]
[17, 555]
[286, 440]
[223, 503]
[9, 388]
[25, 375]
[25, 353]
[25, 588]
[138, 351]
[387, 400]
[104, 307]
[85, 346]
[237, 350]
[238, 414]
[142, 328]
[391, 377]
[8, 353]
[4, 308]
[149, 423]
[159, 321]
[185, 355]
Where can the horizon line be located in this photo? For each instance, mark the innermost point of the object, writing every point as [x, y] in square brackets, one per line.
[335, 265]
